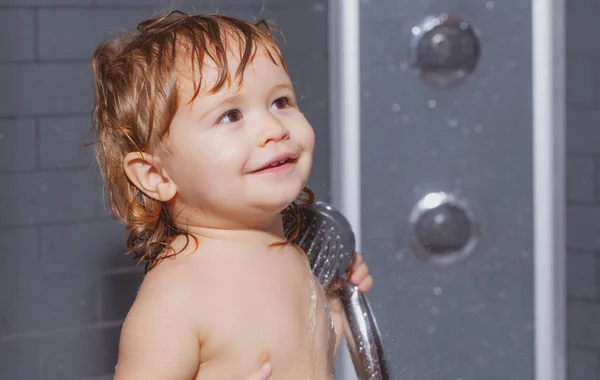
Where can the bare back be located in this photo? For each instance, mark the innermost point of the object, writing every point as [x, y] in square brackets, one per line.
[244, 306]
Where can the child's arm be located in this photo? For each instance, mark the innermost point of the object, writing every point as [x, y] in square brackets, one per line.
[158, 340]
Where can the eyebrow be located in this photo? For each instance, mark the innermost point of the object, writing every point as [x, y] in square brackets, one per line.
[284, 86]
[231, 99]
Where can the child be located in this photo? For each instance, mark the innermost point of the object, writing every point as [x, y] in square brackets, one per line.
[204, 152]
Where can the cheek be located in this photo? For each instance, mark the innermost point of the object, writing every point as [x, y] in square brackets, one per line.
[307, 137]
[218, 160]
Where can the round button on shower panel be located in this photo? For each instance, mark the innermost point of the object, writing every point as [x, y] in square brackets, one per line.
[442, 228]
[444, 48]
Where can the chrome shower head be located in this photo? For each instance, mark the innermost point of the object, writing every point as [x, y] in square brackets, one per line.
[329, 242]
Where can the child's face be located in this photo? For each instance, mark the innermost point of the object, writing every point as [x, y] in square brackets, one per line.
[219, 143]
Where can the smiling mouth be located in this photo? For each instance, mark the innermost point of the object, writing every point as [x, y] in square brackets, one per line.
[277, 165]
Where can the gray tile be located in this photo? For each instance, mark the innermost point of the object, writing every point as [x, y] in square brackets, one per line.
[583, 365]
[80, 354]
[45, 89]
[93, 26]
[581, 275]
[20, 45]
[582, 324]
[118, 293]
[45, 197]
[583, 131]
[20, 359]
[581, 184]
[581, 81]
[19, 262]
[84, 248]
[62, 143]
[45, 3]
[53, 302]
[582, 227]
[17, 145]
[581, 41]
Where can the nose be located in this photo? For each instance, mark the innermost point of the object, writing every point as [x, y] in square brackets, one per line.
[273, 130]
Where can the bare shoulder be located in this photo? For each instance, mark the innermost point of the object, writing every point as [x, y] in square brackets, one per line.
[160, 336]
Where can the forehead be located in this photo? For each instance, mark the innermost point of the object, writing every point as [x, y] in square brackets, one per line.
[231, 74]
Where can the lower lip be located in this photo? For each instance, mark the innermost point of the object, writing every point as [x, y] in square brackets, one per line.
[275, 169]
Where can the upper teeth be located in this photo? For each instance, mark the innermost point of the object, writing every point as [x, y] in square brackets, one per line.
[278, 163]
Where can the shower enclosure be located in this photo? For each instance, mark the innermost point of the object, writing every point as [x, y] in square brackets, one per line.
[448, 156]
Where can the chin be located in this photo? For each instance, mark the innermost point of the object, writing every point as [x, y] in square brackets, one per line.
[278, 199]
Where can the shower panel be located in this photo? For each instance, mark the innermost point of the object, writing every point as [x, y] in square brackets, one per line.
[450, 178]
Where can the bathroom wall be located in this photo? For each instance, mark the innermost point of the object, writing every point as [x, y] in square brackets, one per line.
[583, 190]
[65, 284]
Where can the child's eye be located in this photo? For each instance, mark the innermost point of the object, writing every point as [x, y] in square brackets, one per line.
[230, 117]
[281, 103]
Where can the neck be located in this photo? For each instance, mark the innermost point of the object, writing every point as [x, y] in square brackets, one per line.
[263, 232]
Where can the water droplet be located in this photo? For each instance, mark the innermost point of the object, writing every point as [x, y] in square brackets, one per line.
[478, 128]
[432, 104]
[396, 107]
[437, 290]
[416, 30]
[489, 4]
[453, 123]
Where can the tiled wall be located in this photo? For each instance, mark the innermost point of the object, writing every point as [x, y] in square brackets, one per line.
[583, 189]
[65, 285]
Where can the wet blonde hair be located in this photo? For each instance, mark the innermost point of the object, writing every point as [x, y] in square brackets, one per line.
[136, 97]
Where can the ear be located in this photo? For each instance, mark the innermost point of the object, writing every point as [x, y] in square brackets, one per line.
[144, 171]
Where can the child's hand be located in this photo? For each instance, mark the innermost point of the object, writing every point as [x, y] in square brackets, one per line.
[358, 273]
[263, 374]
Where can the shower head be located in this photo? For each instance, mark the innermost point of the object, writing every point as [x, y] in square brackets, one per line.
[329, 242]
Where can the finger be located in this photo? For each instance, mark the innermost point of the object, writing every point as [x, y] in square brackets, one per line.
[359, 274]
[366, 284]
[356, 260]
[263, 374]
[354, 264]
